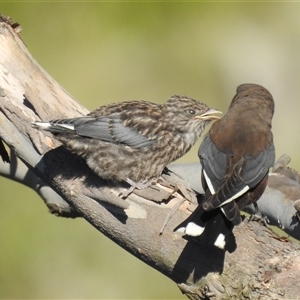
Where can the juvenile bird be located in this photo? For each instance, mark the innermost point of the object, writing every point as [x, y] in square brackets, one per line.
[235, 155]
[133, 141]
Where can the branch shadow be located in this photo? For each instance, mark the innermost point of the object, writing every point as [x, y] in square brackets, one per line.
[197, 260]
[61, 163]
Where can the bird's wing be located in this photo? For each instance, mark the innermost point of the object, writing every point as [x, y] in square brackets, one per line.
[214, 164]
[105, 128]
[256, 167]
[111, 129]
[245, 174]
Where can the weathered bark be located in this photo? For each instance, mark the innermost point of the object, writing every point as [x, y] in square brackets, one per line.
[262, 267]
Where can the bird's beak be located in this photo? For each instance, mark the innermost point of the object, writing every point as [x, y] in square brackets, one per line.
[208, 115]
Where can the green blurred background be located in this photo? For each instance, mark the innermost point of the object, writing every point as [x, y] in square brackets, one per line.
[109, 52]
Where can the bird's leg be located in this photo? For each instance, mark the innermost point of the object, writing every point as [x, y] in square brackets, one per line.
[126, 193]
[137, 185]
[142, 184]
[258, 217]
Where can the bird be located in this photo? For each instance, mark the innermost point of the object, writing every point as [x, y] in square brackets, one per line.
[235, 156]
[133, 141]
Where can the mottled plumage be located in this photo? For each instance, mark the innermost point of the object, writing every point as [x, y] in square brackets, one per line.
[235, 155]
[133, 141]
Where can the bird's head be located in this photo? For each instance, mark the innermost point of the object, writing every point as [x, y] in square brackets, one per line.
[189, 115]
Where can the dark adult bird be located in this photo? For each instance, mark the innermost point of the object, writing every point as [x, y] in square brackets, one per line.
[235, 155]
[133, 141]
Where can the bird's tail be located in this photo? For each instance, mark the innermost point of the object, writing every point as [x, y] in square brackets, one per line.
[208, 227]
[55, 126]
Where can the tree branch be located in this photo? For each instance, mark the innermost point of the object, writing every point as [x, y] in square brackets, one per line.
[263, 265]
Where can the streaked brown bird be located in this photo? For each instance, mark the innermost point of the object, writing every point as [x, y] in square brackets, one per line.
[133, 141]
[235, 155]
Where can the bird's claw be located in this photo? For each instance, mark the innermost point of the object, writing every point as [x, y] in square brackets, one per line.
[136, 185]
[126, 193]
[257, 217]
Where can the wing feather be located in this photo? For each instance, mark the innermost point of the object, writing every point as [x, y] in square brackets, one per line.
[111, 129]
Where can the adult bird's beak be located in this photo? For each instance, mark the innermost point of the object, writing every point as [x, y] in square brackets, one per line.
[208, 115]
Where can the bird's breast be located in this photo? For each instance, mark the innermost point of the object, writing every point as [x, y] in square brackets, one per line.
[189, 139]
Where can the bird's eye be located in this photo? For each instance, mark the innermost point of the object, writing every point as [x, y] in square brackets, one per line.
[192, 112]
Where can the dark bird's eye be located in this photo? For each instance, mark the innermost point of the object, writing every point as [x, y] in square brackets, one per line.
[192, 112]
